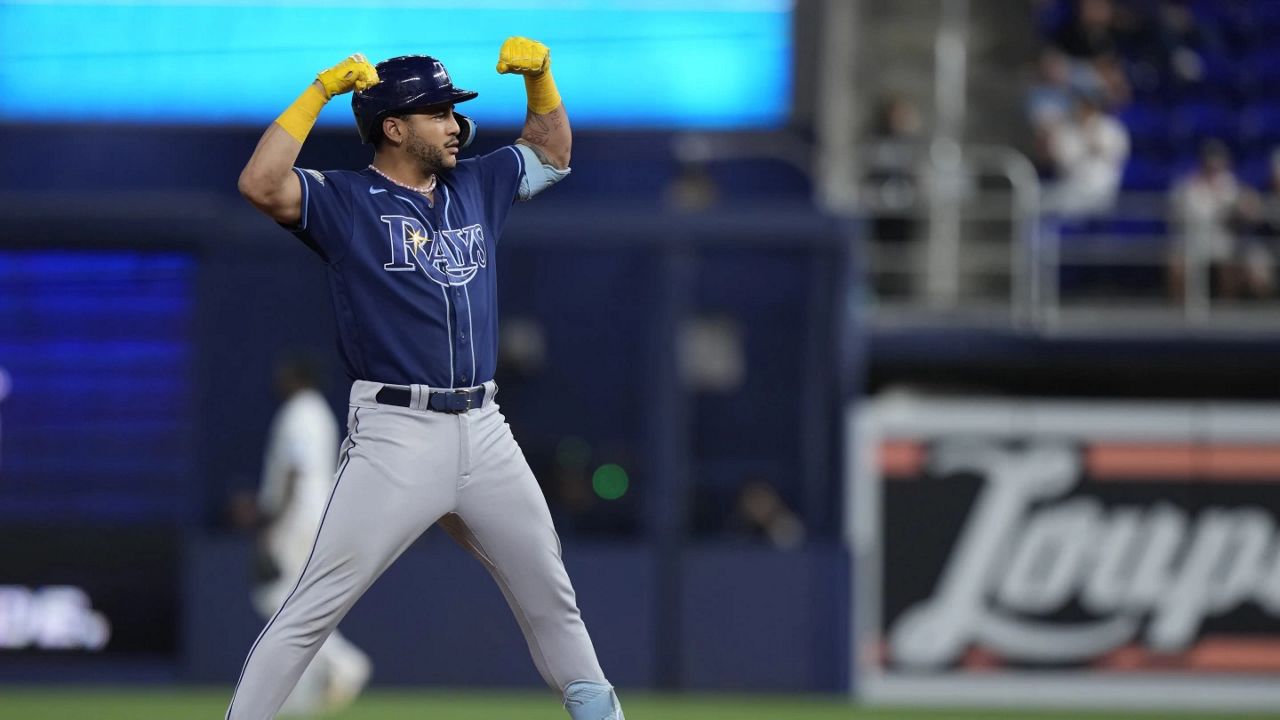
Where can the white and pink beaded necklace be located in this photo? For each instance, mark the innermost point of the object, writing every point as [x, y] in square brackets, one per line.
[424, 189]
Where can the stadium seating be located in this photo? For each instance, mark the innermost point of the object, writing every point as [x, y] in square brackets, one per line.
[1217, 79]
[1236, 97]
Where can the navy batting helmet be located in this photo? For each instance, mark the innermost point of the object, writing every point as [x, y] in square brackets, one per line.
[408, 82]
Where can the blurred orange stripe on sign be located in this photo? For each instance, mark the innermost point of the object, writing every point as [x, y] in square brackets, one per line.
[901, 458]
[1261, 462]
[1236, 655]
[1159, 462]
[1212, 654]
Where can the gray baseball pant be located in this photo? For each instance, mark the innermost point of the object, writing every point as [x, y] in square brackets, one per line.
[401, 470]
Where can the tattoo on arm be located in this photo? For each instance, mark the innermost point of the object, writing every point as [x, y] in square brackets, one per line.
[538, 128]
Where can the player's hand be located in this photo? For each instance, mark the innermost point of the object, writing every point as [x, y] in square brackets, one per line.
[523, 56]
[354, 73]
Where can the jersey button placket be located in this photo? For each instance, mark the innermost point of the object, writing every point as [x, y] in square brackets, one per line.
[462, 313]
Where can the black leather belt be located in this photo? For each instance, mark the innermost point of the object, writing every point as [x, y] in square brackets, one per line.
[445, 401]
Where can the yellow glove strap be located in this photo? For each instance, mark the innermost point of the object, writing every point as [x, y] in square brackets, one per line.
[542, 92]
[300, 117]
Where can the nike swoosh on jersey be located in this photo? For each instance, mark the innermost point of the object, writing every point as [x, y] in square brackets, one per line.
[375, 191]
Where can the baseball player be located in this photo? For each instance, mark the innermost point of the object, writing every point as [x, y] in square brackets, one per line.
[409, 244]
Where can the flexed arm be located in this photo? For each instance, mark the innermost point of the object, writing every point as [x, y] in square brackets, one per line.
[546, 125]
[267, 180]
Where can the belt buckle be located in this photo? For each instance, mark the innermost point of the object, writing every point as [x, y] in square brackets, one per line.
[467, 395]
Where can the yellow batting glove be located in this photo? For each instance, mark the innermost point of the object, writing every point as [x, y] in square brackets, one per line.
[354, 73]
[531, 59]
[523, 56]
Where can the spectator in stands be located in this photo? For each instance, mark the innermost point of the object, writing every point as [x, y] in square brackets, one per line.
[1259, 255]
[1091, 42]
[1091, 32]
[1214, 214]
[895, 191]
[897, 119]
[1087, 153]
[1180, 45]
[1112, 74]
[1049, 102]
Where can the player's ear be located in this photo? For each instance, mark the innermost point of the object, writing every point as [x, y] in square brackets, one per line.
[393, 129]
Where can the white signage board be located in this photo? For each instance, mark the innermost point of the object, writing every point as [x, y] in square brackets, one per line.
[1054, 553]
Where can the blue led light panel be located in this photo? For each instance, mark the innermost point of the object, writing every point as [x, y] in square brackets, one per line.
[619, 63]
[95, 385]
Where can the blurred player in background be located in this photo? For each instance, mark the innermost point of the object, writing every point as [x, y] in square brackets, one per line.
[297, 477]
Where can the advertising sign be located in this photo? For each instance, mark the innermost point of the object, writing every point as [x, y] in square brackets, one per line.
[95, 591]
[1110, 554]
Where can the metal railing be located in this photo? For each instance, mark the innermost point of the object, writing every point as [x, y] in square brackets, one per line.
[1007, 261]
[976, 215]
[1141, 234]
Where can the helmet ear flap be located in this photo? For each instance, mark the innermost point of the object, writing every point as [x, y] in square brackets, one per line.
[466, 130]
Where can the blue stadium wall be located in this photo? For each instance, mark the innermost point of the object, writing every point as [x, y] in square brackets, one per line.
[748, 618]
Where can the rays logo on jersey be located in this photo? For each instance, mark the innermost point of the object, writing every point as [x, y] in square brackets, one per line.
[448, 257]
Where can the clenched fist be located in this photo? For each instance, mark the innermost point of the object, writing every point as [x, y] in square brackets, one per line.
[523, 56]
[354, 73]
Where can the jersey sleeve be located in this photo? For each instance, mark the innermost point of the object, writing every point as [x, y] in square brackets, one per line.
[326, 220]
[500, 174]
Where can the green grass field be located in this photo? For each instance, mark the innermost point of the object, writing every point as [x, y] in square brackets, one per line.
[209, 704]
